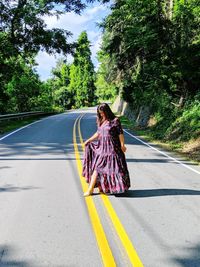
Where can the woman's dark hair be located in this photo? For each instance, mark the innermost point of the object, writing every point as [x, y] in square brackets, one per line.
[107, 111]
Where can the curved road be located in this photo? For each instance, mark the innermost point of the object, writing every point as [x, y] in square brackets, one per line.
[46, 221]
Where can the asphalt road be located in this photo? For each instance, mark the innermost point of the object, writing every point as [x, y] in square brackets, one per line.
[46, 221]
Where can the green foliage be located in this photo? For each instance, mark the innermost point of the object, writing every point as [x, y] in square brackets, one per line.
[21, 89]
[104, 89]
[44, 101]
[151, 53]
[73, 85]
[186, 126]
[27, 32]
[82, 75]
[23, 33]
[62, 95]
[22, 85]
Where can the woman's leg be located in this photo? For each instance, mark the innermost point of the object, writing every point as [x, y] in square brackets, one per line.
[92, 184]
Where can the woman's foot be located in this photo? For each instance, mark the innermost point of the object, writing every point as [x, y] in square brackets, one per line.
[91, 185]
[88, 193]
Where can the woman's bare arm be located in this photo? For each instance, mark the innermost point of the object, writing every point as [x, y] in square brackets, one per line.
[121, 139]
[92, 138]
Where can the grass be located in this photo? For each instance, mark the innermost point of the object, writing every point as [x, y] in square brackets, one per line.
[190, 150]
[126, 123]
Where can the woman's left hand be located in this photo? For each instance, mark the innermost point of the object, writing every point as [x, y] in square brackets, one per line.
[123, 148]
[86, 142]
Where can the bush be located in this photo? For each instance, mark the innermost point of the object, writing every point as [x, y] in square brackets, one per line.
[186, 126]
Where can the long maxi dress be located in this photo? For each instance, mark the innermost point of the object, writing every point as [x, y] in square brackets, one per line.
[106, 157]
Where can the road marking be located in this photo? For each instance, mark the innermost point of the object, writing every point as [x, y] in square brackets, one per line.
[21, 128]
[163, 153]
[79, 131]
[18, 130]
[106, 253]
[128, 246]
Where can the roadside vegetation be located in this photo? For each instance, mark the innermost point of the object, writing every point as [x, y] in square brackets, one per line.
[23, 33]
[186, 144]
[150, 56]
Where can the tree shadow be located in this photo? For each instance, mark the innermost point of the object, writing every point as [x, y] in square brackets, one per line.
[5, 254]
[193, 260]
[165, 160]
[11, 188]
[33, 158]
[158, 193]
[35, 149]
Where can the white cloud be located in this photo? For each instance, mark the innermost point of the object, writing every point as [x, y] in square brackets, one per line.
[13, 3]
[92, 35]
[68, 21]
[96, 46]
[75, 24]
[94, 10]
[46, 63]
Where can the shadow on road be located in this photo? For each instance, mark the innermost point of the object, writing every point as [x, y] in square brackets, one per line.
[35, 149]
[10, 188]
[147, 160]
[193, 258]
[158, 193]
[6, 253]
[33, 158]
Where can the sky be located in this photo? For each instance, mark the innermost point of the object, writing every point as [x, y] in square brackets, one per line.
[74, 23]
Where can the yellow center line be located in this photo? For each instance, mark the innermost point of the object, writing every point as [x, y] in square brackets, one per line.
[79, 131]
[106, 253]
[128, 246]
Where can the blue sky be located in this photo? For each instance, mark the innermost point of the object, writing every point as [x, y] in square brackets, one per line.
[87, 21]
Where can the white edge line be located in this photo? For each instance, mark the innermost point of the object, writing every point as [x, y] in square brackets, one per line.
[25, 127]
[186, 166]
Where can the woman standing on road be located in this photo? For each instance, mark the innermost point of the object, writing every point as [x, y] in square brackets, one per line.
[104, 163]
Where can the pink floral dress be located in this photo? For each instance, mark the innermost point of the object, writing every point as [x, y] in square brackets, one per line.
[106, 157]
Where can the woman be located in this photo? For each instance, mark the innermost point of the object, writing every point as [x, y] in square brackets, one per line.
[104, 162]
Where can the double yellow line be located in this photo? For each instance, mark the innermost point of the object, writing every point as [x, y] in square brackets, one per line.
[106, 253]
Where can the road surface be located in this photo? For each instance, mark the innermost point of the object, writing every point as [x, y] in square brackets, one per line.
[46, 221]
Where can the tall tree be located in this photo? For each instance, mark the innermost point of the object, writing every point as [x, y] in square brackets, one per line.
[153, 48]
[23, 32]
[23, 88]
[105, 89]
[23, 22]
[62, 95]
[82, 75]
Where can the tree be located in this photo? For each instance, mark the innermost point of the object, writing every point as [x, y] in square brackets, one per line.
[82, 75]
[26, 30]
[152, 55]
[60, 85]
[23, 33]
[151, 47]
[105, 89]
[23, 87]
